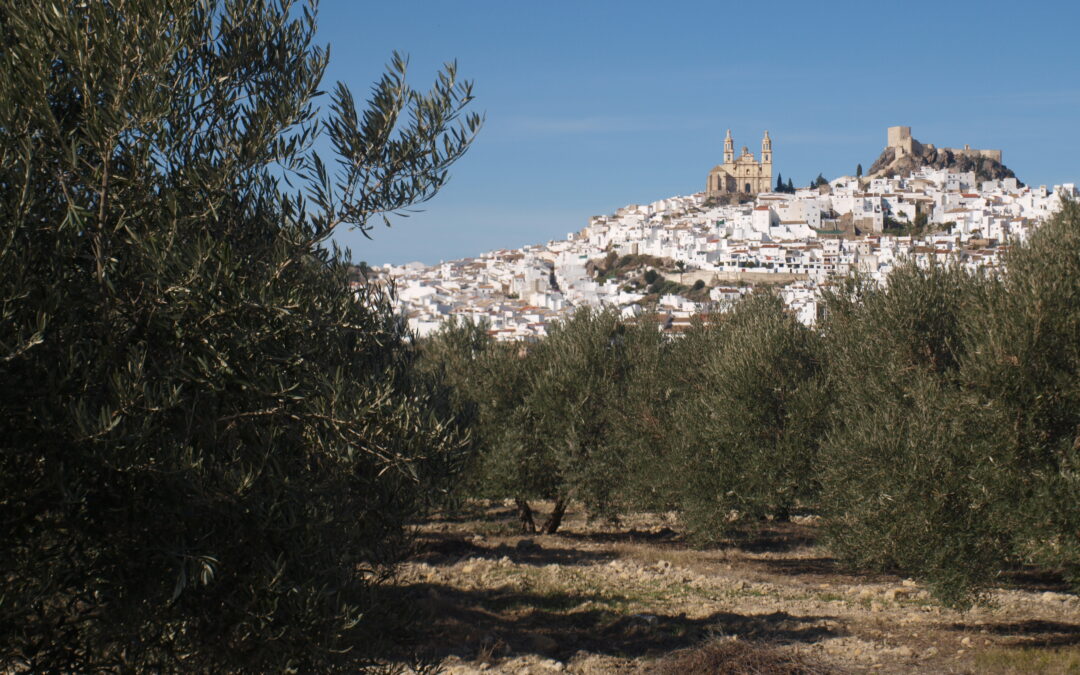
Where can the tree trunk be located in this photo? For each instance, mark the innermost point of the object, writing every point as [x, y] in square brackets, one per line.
[525, 516]
[551, 525]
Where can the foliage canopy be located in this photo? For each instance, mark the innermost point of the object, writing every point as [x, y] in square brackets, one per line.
[210, 444]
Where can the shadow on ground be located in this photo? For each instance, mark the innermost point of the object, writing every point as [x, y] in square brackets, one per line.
[438, 549]
[664, 535]
[777, 537]
[772, 538]
[1028, 633]
[1036, 580]
[477, 624]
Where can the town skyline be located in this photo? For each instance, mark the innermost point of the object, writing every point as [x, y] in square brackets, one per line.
[688, 256]
[595, 106]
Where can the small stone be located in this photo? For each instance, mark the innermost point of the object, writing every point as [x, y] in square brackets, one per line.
[904, 652]
[909, 583]
[966, 642]
[930, 651]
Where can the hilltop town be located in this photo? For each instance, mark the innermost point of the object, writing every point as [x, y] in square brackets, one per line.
[696, 254]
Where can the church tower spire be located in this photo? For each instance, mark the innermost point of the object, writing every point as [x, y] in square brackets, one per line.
[729, 149]
[766, 149]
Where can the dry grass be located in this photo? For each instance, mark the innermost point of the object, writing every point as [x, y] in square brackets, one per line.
[601, 597]
[1015, 661]
[736, 657]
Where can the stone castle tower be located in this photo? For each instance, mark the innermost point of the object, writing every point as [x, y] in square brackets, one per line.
[902, 143]
[742, 174]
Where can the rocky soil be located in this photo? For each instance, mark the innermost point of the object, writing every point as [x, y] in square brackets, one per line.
[601, 598]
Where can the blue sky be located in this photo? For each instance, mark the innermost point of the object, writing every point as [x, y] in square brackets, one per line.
[593, 105]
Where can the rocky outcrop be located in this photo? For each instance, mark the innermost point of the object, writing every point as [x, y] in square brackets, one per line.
[985, 168]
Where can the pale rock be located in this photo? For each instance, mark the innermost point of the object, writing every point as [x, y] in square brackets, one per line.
[895, 594]
[1055, 598]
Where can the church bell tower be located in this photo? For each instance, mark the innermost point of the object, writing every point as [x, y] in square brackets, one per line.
[766, 149]
[729, 149]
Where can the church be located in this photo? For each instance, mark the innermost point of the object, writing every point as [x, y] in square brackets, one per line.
[743, 174]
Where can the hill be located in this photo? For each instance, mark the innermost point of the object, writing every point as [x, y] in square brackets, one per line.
[904, 154]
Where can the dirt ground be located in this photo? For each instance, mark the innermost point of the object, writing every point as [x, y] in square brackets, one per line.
[604, 598]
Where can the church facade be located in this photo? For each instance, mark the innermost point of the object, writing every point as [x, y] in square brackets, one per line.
[742, 174]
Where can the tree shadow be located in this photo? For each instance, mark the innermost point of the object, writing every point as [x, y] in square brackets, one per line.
[1033, 633]
[776, 537]
[473, 512]
[438, 549]
[817, 566]
[511, 622]
[631, 536]
[769, 538]
[1035, 580]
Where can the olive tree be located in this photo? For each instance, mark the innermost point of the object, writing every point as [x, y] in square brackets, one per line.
[208, 443]
[1024, 369]
[911, 450]
[750, 418]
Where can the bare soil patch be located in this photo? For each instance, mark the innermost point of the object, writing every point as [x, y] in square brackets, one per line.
[635, 598]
